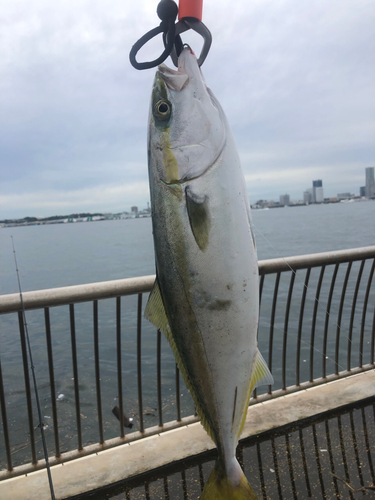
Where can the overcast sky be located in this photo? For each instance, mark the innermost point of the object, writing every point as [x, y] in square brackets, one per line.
[295, 78]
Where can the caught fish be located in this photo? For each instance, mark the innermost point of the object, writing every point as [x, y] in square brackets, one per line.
[205, 298]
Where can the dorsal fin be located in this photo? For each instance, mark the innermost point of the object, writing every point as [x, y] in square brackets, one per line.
[155, 313]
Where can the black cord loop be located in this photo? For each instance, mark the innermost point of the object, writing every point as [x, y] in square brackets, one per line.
[167, 11]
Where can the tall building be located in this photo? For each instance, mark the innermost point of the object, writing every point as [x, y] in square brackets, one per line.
[318, 194]
[307, 196]
[362, 191]
[284, 199]
[370, 183]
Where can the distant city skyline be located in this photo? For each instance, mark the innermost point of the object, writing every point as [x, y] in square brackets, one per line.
[315, 194]
[311, 195]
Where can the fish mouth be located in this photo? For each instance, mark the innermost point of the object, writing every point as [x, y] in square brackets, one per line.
[175, 80]
[187, 68]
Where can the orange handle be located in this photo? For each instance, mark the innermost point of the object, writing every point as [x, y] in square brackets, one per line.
[190, 8]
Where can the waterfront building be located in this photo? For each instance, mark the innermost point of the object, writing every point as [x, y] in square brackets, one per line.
[284, 199]
[344, 196]
[134, 210]
[308, 195]
[370, 182]
[362, 191]
[318, 194]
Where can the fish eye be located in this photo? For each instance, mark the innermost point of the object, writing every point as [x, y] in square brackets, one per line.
[162, 109]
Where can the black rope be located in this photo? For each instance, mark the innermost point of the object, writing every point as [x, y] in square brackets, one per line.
[167, 11]
[41, 424]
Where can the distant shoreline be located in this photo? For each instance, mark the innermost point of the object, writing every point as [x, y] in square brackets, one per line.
[86, 217]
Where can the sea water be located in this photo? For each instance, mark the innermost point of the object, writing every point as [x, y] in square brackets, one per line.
[69, 254]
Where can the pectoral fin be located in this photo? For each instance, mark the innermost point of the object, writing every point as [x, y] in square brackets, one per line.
[199, 217]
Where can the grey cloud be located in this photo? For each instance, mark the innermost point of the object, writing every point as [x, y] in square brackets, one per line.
[295, 79]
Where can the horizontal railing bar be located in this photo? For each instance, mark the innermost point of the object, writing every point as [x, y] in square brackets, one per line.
[271, 266]
[97, 447]
[168, 426]
[306, 385]
[108, 289]
[66, 295]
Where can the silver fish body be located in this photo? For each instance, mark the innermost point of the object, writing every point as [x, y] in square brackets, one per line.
[205, 298]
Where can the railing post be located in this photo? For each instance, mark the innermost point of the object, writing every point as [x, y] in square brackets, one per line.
[373, 339]
[273, 315]
[312, 339]
[75, 375]
[365, 302]
[158, 377]
[52, 380]
[338, 330]
[5, 423]
[350, 335]
[27, 386]
[328, 310]
[139, 362]
[261, 283]
[285, 336]
[300, 323]
[178, 401]
[119, 367]
[97, 371]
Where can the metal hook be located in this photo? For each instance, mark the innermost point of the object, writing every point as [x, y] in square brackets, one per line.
[185, 24]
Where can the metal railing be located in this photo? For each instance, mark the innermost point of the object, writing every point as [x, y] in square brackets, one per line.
[317, 323]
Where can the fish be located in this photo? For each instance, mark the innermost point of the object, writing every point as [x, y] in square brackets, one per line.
[206, 294]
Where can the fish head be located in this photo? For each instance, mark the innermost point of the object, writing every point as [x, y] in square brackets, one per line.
[187, 125]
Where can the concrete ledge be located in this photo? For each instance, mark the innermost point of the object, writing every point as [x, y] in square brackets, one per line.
[131, 459]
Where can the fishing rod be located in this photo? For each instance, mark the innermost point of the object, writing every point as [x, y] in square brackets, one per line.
[41, 423]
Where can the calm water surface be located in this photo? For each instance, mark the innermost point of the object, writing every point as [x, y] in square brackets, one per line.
[70, 254]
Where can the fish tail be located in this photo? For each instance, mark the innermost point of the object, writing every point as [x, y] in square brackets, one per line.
[220, 486]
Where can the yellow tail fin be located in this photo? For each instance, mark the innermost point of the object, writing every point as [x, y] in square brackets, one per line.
[219, 487]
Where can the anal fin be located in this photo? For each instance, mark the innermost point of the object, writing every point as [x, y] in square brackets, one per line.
[261, 375]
